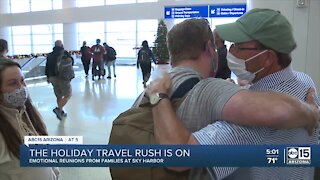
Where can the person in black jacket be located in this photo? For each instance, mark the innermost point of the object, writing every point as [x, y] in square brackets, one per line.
[62, 87]
[86, 56]
[144, 56]
[223, 69]
[110, 59]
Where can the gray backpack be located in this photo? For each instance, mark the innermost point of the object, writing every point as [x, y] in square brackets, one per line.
[64, 69]
[144, 56]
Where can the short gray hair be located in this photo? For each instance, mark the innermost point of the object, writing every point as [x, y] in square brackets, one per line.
[58, 43]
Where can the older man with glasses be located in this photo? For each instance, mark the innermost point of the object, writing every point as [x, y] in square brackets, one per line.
[263, 41]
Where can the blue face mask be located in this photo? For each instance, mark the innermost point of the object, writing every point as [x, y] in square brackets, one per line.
[238, 66]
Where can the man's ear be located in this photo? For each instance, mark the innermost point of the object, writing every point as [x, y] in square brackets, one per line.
[271, 57]
[210, 46]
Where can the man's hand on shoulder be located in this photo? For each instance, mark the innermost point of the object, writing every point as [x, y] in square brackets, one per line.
[230, 80]
[161, 85]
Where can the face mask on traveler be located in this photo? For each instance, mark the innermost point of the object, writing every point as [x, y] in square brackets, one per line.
[17, 98]
[238, 67]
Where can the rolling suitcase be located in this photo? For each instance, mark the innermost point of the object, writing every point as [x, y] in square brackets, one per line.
[97, 73]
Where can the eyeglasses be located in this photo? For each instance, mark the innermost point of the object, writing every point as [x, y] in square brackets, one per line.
[209, 31]
[244, 48]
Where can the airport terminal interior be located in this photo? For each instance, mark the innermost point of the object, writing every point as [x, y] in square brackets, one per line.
[32, 26]
[91, 110]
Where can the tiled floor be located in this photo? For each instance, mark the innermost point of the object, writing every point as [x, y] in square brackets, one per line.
[91, 110]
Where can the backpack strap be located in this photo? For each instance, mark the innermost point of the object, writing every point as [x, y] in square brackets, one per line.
[184, 88]
[181, 91]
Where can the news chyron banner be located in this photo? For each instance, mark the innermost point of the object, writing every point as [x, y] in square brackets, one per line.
[69, 151]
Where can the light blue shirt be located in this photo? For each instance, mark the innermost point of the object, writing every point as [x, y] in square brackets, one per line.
[285, 81]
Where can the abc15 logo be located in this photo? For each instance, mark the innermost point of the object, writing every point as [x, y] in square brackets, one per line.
[302, 153]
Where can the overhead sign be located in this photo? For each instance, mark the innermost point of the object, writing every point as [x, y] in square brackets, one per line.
[186, 12]
[204, 11]
[227, 10]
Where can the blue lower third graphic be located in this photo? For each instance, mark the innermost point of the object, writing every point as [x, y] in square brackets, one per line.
[169, 155]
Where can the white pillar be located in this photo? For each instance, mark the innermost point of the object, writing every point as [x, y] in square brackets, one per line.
[5, 31]
[305, 23]
[69, 4]
[70, 36]
[4, 6]
[70, 31]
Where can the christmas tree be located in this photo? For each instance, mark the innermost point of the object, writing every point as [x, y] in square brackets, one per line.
[160, 49]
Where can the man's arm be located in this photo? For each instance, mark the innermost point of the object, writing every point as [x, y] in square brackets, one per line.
[168, 128]
[251, 108]
[138, 59]
[152, 57]
[46, 71]
[46, 68]
[271, 109]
